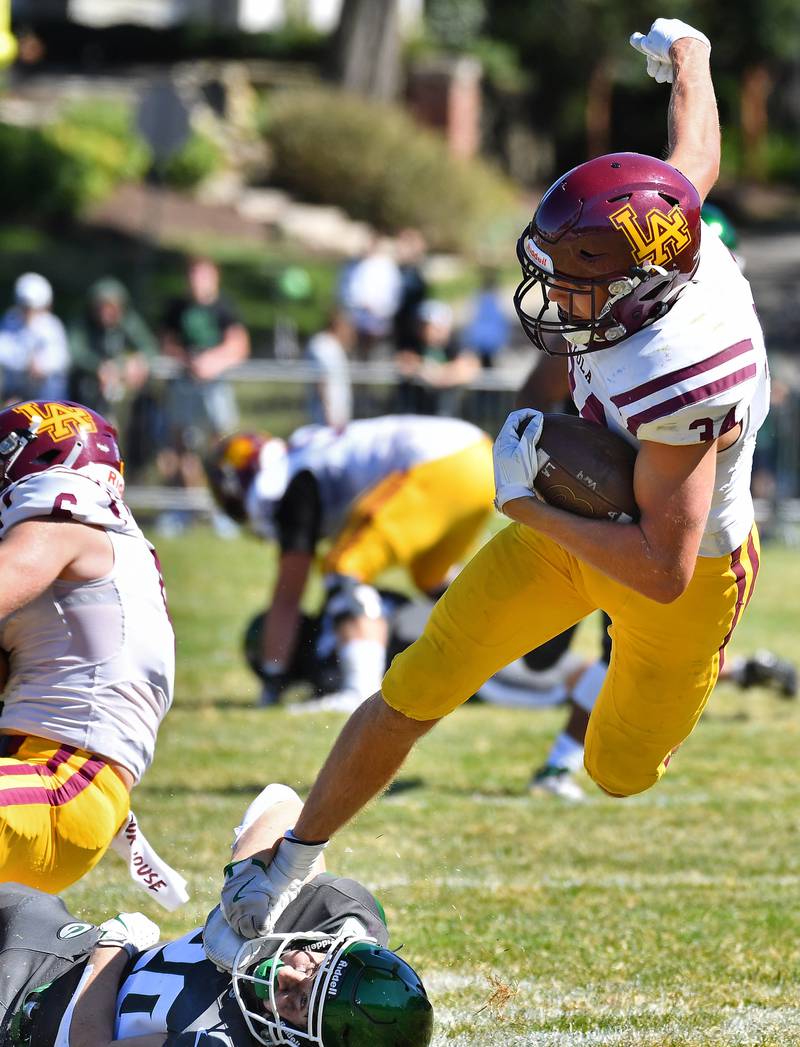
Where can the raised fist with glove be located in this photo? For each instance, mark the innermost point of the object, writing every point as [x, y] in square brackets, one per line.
[131, 931]
[254, 894]
[514, 453]
[656, 45]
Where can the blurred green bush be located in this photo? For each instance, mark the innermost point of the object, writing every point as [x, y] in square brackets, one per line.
[193, 163]
[378, 165]
[39, 178]
[58, 169]
[778, 161]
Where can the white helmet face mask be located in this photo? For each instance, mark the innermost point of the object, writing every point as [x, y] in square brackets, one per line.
[266, 1024]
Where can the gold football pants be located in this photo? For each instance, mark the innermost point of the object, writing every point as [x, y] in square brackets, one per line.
[522, 589]
[60, 807]
[425, 519]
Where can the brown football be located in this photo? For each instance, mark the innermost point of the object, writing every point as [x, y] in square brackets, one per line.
[586, 469]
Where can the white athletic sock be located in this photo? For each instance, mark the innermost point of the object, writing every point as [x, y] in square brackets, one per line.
[734, 669]
[363, 665]
[566, 752]
[586, 690]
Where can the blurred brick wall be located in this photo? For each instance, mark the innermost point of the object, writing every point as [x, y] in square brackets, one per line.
[445, 94]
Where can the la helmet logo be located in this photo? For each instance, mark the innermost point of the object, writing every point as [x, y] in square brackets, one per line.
[239, 451]
[58, 421]
[73, 930]
[664, 237]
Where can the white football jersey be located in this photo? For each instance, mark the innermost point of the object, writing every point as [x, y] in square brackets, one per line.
[690, 377]
[346, 463]
[92, 664]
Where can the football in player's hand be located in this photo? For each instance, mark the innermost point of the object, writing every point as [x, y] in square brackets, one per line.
[586, 469]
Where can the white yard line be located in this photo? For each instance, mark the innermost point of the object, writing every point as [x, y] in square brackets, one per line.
[686, 879]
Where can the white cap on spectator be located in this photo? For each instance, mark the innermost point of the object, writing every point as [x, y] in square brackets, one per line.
[432, 311]
[33, 291]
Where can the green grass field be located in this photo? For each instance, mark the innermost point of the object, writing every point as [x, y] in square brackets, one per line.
[663, 920]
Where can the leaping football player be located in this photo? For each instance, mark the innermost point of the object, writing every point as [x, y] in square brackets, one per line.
[325, 978]
[87, 650]
[664, 348]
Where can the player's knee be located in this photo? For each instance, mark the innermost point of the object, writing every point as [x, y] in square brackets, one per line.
[620, 772]
[620, 786]
[348, 599]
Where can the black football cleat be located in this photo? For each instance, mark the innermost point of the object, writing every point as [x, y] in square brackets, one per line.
[766, 669]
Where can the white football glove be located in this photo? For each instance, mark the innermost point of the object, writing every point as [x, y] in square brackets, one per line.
[514, 454]
[131, 931]
[655, 46]
[254, 895]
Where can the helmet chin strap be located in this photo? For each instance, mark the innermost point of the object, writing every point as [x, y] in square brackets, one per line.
[617, 290]
[23, 438]
[73, 455]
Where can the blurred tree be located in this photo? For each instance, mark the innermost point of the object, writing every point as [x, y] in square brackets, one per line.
[753, 37]
[575, 46]
[455, 24]
[578, 50]
[365, 50]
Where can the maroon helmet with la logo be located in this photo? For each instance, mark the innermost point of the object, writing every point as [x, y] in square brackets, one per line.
[40, 434]
[235, 462]
[614, 241]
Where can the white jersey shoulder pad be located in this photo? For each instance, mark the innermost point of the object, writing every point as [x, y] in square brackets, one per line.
[64, 494]
[679, 396]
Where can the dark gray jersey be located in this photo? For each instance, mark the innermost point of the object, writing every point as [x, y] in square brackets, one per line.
[175, 990]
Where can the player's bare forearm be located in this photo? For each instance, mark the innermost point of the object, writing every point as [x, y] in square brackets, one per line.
[372, 746]
[155, 1039]
[93, 1018]
[280, 634]
[620, 551]
[673, 487]
[694, 135]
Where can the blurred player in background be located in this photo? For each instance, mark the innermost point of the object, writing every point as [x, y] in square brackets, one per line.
[87, 648]
[664, 349]
[395, 491]
[325, 978]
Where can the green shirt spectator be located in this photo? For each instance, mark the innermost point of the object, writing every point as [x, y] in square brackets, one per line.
[110, 347]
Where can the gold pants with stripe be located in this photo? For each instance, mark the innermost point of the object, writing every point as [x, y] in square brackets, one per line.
[60, 807]
[425, 519]
[522, 589]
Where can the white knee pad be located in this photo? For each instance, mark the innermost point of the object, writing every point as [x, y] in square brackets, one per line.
[269, 796]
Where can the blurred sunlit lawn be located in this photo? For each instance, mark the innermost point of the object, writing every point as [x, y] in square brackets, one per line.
[668, 919]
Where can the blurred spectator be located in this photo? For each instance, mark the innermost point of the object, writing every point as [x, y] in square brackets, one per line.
[776, 457]
[370, 291]
[488, 331]
[433, 377]
[111, 347]
[203, 334]
[413, 288]
[34, 358]
[331, 397]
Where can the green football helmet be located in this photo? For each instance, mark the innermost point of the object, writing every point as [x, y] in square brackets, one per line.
[362, 994]
[716, 219]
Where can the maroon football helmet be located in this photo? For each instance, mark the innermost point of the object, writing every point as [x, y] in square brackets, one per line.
[38, 434]
[617, 237]
[231, 468]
